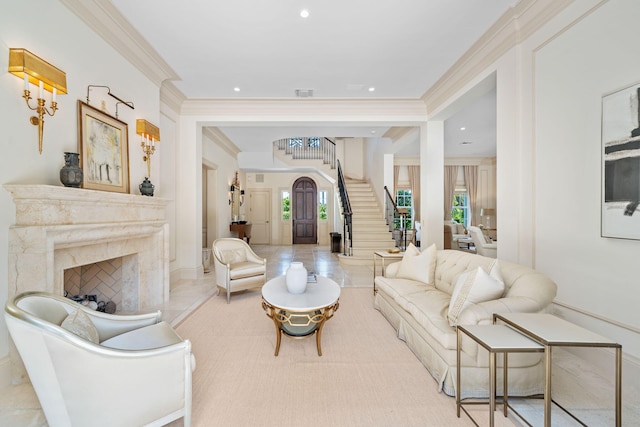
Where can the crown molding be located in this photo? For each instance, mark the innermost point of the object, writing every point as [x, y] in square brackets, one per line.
[397, 132]
[171, 96]
[221, 140]
[391, 111]
[106, 21]
[518, 23]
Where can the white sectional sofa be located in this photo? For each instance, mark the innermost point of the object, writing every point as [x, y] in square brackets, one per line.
[415, 296]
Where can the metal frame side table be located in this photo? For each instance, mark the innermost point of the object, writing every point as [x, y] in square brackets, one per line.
[383, 255]
[552, 331]
[495, 339]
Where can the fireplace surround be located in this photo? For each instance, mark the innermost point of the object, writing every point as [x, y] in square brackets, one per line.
[58, 228]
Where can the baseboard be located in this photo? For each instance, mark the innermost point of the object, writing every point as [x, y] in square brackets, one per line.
[5, 372]
[604, 358]
[185, 274]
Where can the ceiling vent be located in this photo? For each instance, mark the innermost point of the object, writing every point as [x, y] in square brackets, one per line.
[304, 93]
[259, 177]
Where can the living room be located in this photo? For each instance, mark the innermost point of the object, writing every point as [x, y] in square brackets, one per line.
[551, 77]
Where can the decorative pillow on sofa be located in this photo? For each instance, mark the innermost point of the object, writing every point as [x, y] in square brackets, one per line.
[474, 287]
[80, 324]
[416, 265]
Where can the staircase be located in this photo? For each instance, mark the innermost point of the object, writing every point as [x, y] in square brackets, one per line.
[370, 229]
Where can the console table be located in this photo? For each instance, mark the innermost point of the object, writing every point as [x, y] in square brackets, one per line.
[243, 230]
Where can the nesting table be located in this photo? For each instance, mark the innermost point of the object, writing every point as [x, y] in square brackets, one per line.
[495, 339]
[551, 331]
[300, 315]
[532, 332]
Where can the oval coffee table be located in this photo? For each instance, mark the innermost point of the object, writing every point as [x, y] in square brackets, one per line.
[300, 315]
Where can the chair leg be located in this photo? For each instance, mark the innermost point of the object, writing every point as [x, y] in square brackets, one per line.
[228, 295]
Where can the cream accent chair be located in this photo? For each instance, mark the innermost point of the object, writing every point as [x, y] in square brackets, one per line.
[480, 242]
[138, 373]
[237, 267]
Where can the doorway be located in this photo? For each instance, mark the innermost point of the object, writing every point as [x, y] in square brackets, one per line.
[304, 211]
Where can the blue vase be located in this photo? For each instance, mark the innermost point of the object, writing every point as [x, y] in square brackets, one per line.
[71, 173]
[146, 188]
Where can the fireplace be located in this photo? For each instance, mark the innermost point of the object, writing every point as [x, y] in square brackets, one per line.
[60, 228]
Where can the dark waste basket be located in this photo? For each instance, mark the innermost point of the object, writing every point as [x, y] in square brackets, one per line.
[335, 241]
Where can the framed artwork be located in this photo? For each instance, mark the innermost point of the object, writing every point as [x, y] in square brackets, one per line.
[620, 216]
[104, 150]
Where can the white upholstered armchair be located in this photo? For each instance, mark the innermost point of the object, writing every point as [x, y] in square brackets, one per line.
[98, 369]
[482, 246]
[237, 266]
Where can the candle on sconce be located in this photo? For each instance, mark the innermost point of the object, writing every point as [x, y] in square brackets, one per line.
[55, 92]
[26, 81]
[41, 89]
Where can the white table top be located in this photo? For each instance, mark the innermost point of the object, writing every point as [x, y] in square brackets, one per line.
[552, 330]
[387, 254]
[500, 338]
[317, 295]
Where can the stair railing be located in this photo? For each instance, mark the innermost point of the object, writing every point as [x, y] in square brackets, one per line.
[309, 148]
[346, 213]
[391, 210]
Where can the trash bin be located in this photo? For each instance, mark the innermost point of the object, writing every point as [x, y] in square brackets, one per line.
[335, 241]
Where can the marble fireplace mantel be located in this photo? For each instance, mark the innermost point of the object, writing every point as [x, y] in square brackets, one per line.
[59, 227]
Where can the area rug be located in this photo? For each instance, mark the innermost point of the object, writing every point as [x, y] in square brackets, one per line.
[365, 377]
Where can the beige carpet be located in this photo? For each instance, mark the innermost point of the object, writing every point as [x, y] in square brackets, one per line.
[366, 376]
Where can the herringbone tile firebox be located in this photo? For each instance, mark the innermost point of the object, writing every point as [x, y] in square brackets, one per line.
[103, 279]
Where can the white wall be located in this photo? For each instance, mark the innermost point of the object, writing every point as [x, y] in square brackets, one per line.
[589, 58]
[50, 31]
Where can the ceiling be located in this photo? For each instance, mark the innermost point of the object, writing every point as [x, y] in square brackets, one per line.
[341, 50]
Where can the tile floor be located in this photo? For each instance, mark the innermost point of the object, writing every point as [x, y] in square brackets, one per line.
[574, 379]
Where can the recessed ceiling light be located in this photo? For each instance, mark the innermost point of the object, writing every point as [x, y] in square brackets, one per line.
[463, 128]
[304, 13]
[236, 89]
[372, 89]
[373, 132]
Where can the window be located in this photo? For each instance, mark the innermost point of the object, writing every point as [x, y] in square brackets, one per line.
[322, 205]
[299, 142]
[404, 201]
[286, 205]
[460, 209]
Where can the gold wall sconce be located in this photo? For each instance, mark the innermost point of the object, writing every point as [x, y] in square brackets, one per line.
[37, 71]
[150, 135]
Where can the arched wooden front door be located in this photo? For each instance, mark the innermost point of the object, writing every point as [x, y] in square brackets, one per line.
[304, 211]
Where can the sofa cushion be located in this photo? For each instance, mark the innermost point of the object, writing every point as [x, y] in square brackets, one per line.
[416, 265]
[474, 287]
[80, 324]
[400, 290]
[429, 309]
